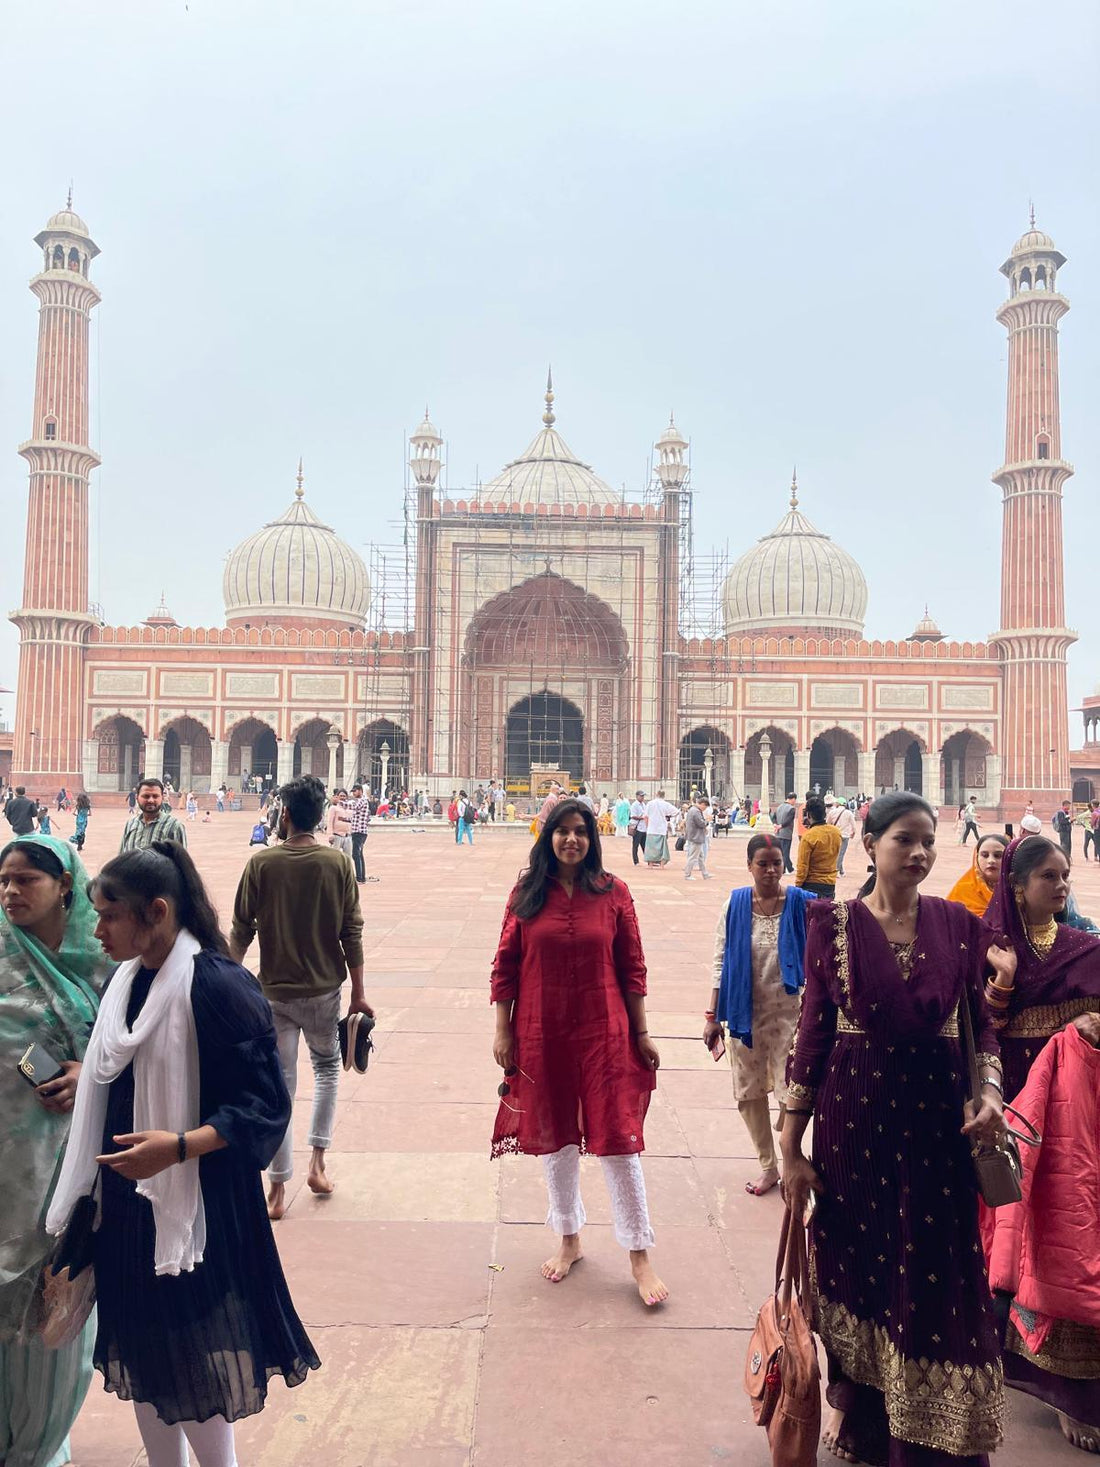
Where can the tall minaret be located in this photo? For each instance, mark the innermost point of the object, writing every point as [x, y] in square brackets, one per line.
[54, 618]
[1033, 639]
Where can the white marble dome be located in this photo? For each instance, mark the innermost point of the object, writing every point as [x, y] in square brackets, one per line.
[296, 569]
[547, 472]
[66, 221]
[795, 579]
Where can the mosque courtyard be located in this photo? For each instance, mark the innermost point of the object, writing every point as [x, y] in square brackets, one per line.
[418, 1279]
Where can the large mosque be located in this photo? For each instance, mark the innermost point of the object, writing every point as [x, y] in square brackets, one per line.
[546, 629]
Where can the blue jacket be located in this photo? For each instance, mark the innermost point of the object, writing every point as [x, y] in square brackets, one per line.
[735, 990]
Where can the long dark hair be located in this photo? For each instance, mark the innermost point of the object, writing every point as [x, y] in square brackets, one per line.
[163, 869]
[883, 812]
[1032, 851]
[530, 894]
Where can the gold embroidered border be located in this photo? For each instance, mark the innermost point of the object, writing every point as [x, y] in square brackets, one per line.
[950, 1030]
[1070, 1349]
[802, 1092]
[840, 947]
[992, 1060]
[1046, 1019]
[931, 1403]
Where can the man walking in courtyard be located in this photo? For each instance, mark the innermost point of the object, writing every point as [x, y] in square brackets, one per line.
[548, 804]
[838, 814]
[360, 820]
[1063, 827]
[301, 898]
[696, 838]
[20, 812]
[657, 815]
[152, 820]
[785, 814]
[970, 821]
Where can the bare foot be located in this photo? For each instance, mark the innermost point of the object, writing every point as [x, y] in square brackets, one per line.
[276, 1201]
[650, 1288]
[764, 1182]
[320, 1184]
[1085, 1438]
[557, 1268]
[833, 1439]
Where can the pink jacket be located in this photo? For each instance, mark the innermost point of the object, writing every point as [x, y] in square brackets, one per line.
[1046, 1248]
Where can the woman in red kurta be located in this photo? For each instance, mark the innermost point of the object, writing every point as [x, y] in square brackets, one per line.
[569, 983]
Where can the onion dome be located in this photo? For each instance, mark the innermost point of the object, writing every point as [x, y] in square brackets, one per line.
[795, 581]
[161, 616]
[1034, 247]
[548, 472]
[296, 570]
[68, 223]
[926, 630]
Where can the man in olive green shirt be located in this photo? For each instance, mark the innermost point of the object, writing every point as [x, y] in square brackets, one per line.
[151, 821]
[302, 900]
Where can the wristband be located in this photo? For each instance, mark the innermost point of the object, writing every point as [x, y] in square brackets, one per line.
[710, 1016]
[181, 1147]
[992, 1081]
[639, 1032]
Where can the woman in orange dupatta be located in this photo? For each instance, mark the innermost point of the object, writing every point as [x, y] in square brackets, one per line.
[975, 887]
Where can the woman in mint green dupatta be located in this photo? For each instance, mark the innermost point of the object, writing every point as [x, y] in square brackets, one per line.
[52, 972]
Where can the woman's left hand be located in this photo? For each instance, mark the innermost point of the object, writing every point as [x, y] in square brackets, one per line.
[148, 1153]
[986, 1126]
[647, 1050]
[1003, 961]
[59, 1095]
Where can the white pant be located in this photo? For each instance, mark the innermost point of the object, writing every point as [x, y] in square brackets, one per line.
[166, 1446]
[696, 854]
[625, 1187]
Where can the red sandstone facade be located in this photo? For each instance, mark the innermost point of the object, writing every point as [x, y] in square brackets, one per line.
[546, 627]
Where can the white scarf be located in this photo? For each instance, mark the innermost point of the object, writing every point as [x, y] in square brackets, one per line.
[164, 1050]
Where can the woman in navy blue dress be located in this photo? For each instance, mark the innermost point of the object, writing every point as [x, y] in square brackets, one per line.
[181, 1104]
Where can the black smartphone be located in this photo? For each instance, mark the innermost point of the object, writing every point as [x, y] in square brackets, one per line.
[1008, 830]
[38, 1066]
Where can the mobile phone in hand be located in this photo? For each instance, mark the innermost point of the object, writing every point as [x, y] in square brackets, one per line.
[718, 1047]
[38, 1066]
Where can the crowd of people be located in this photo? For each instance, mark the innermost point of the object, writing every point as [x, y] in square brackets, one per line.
[162, 1077]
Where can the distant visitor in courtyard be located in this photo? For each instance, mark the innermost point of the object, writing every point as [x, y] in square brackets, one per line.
[658, 813]
[759, 946]
[179, 1105]
[569, 985]
[152, 820]
[301, 899]
[818, 852]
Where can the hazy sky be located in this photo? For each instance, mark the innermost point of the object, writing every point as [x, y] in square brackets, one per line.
[783, 220]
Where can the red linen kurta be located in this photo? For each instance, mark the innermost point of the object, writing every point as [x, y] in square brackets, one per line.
[569, 970]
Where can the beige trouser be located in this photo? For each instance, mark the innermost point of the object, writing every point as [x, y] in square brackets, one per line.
[759, 1071]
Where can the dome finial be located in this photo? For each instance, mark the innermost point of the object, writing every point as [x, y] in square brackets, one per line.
[300, 492]
[69, 198]
[548, 415]
[1031, 212]
[794, 487]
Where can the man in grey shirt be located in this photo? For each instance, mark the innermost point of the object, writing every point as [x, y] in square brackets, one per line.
[151, 821]
[785, 816]
[696, 838]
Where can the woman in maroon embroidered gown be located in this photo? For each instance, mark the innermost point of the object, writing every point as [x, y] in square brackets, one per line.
[1057, 982]
[901, 1300]
[569, 983]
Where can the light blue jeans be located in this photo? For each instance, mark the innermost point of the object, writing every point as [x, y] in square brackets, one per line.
[464, 828]
[315, 1020]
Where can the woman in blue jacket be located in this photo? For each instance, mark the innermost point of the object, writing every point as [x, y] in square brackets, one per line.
[758, 951]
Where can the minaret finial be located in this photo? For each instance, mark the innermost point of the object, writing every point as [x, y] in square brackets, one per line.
[794, 487]
[69, 199]
[1031, 211]
[300, 492]
[548, 415]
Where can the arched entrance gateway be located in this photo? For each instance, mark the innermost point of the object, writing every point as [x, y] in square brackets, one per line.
[964, 769]
[253, 749]
[834, 763]
[187, 755]
[899, 763]
[383, 745]
[693, 762]
[548, 683]
[780, 765]
[120, 753]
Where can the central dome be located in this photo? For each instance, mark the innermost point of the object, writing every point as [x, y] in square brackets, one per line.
[795, 580]
[547, 472]
[296, 571]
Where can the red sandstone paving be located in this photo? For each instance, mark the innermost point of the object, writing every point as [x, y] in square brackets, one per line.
[431, 1357]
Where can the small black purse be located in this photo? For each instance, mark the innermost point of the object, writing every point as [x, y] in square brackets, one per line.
[68, 1281]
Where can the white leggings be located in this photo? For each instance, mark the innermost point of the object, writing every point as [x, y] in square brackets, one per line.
[166, 1446]
[625, 1187]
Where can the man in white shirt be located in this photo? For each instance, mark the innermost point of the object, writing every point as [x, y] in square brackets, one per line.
[636, 824]
[838, 814]
[657, 815]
